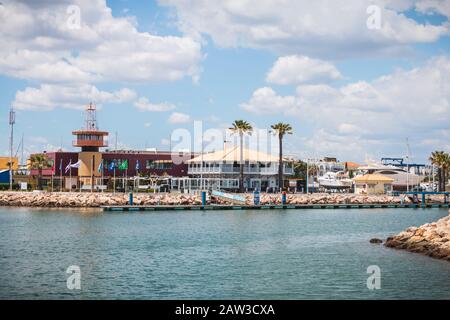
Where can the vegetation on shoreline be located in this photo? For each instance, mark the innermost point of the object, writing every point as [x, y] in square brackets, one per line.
[281, 129]
[441, 160]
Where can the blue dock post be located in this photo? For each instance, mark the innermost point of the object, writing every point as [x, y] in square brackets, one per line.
[130, 201]
[423, 200]
[423, 204]
[283, 198]
[256, 198]
[203, 198]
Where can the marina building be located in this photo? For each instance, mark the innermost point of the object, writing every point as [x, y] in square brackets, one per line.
[91, 168]
[371, 184]
[221, 170]
[140, 163]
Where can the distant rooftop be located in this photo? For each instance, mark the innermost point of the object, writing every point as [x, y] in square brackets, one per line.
[372, 178]
[145, 151]
[233, 154]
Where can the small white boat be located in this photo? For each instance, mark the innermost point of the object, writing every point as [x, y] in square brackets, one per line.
[428, 186]
[334, 180]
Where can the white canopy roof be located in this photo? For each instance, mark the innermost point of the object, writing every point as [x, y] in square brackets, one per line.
[233, 154]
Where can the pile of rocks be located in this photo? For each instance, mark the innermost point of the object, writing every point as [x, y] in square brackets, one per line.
[77, 199]
[87, 199]
[431, 239]
[326, 198]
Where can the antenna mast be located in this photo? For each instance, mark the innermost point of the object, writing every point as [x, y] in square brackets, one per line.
[407, 165]
[91, 118]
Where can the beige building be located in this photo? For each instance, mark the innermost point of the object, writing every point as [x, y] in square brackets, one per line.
[372, 184]
[88, 170]
[90, 140]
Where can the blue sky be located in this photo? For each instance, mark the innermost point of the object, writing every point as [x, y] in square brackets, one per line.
[347, 91]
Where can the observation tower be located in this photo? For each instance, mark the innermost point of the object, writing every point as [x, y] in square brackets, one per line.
[90, 140]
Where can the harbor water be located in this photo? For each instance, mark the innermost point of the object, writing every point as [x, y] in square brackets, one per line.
[244, 254]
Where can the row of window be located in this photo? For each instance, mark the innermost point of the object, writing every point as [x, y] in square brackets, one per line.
[149, 164]
[89, 137]
[235, 165]
[158, 164]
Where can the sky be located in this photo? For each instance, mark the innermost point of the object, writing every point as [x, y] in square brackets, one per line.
[355, 79]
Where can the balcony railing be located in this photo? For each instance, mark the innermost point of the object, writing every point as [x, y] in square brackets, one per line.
[235, 170]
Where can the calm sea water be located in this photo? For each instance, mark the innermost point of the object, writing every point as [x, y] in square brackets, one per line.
[291, 254]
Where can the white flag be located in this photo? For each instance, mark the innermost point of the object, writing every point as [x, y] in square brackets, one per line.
[76, 164]
[68, 166]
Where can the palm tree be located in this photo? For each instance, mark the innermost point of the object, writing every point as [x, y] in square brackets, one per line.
[281, 129]
[39, 162]
[441, 159]
[446, 166]
[241, 127]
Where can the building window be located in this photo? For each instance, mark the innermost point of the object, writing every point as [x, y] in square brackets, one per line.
[159, 164]
[149, 164]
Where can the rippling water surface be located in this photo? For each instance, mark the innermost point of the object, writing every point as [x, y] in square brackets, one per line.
[291, 254]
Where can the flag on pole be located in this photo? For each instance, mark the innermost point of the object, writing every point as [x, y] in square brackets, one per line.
[112, 166]
[76, 165]
[124, 165]
[100, 167]
[60, 165]
[137, 165]
[68, 166]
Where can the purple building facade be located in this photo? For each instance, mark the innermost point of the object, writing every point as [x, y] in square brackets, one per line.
[58, 161]
[147, 163]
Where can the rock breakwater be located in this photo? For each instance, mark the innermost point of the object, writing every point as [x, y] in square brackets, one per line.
[431, 239]
[86, 199]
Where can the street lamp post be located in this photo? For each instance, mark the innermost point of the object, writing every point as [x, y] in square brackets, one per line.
[407, 173]
[201, 172]
[307, 176]
[12, 121]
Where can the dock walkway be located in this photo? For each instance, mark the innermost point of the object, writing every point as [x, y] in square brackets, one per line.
[263, 207]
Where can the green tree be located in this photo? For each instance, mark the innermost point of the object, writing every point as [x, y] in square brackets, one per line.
[40, 162]
[241, 127]
[441, 160]
[446, 167]
[300, 169]
[281, 129]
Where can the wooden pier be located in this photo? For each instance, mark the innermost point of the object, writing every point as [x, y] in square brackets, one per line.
[265, 207]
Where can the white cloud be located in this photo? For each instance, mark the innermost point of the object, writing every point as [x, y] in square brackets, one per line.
[434, 6]
[348, 128]
[314, 28]
[296, 69]
[37, 43]
[178, 118]
[50, 96]
[144, 105]
[266, 101]
[375, 115]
